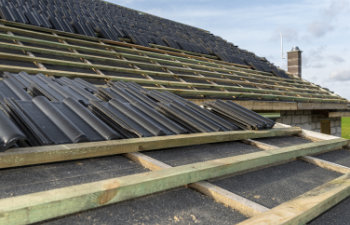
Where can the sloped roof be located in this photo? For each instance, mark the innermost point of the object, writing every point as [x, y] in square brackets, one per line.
[111, 21]
[40, 50]
[44, 184]
[256, 178]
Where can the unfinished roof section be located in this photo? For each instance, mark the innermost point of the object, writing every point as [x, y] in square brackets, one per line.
[110, 21]
[41, 50]
[52, 110]
[259, 180]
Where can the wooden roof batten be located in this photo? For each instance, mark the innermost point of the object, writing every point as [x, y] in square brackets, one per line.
[211, 78]
[198, 77]
[62, 201]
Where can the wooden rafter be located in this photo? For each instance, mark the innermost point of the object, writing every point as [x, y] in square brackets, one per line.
[239, 203]
[307, 206]
[44, 205]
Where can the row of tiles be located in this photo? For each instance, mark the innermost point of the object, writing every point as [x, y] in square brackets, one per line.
[97, 18]
[40, 110]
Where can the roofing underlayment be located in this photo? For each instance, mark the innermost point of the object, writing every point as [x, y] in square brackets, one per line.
[92, 132]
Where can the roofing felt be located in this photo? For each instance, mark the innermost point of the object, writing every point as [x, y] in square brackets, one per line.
[268, 187]
[37, 50]
[47, 110]
[102, 19]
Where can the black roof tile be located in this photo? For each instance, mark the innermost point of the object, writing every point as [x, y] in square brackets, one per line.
[107, 20]
[43, 110]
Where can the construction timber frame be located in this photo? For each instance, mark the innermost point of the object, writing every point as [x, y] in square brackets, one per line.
[197, 77]
[39, 206]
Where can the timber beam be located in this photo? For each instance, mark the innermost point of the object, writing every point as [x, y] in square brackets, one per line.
[56, 153]
[307, 206]
[35, 207]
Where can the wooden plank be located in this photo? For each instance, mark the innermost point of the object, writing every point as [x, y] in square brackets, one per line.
[183, 51]
[174, 68]
[92, 41]
[339, 114]
[137, 48]
[307, 206]
[312, 97]
[65, 152]
[232, 200]
[313, 160]
[326, 164]
[184, 92]
[134, 52]
[146, 161]
[243, 205]
[229, 74]
[259, 144]
[162, 55]
[101, 51]
[271, 115]
[308, 134]
[259, 105]
[44, 205]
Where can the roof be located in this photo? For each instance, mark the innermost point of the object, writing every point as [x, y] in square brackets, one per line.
[199, 78]
[97, 149]
[227, 181]
[111, 21]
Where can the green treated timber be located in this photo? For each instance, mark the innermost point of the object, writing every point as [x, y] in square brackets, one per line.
[177, 91]
[57, 153]
[78, 39]
[101, 58]
[87, 49]
[184, 92]
[15, 69]
[289, 80]
[307, 206]
[183, 51]
[105, 67]
[105, 52]
[99, 45]
[122, 69]
[96, 44]
[68, 63]
[271, 115]
[154, 82]
[111, 68]
[93, 41]
[39, 206]
[42, 30]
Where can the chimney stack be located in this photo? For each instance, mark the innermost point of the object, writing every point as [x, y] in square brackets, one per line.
[294, 61]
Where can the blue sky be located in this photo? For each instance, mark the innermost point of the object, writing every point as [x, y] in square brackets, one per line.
[320, 28]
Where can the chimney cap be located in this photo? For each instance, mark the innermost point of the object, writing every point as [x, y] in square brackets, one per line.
[295, 48]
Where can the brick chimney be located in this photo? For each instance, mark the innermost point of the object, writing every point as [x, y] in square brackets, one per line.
[294, 61]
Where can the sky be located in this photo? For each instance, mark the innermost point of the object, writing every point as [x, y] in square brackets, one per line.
[320, 28]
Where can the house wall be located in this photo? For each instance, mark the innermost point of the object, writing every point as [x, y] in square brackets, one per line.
[310, 120]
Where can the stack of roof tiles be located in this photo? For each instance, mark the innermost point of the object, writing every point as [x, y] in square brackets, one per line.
[40, 110]
[102, 19]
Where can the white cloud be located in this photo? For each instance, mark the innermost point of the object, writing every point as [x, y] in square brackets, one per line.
[327, 17]
[336, 59]
[341, 75]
